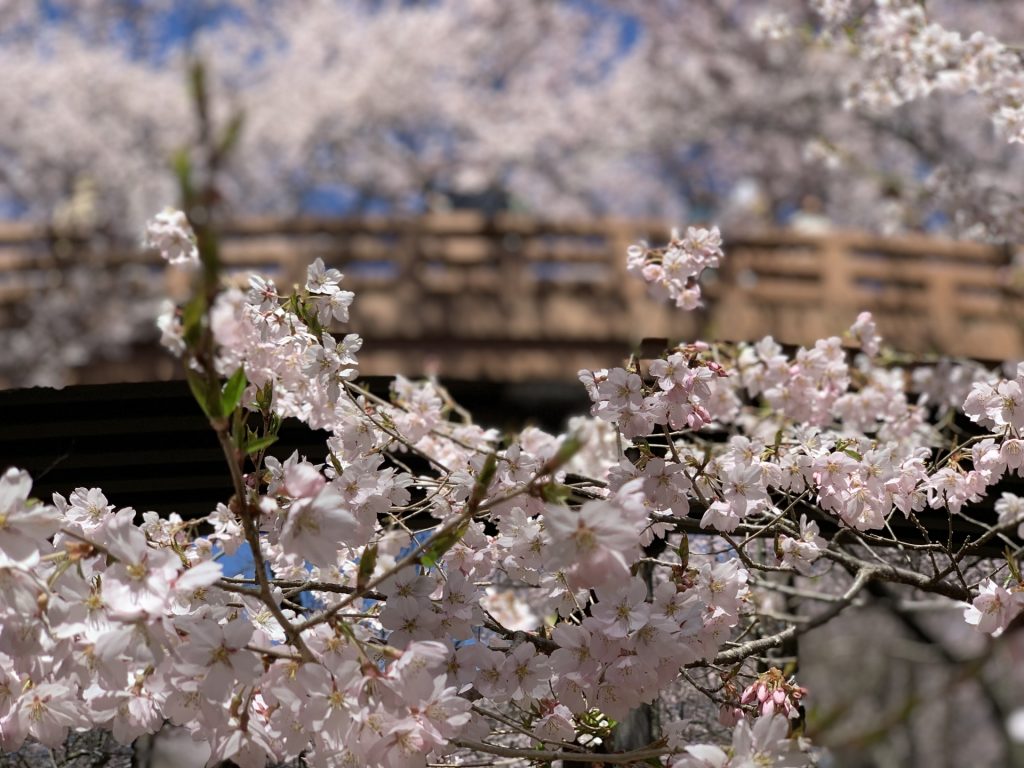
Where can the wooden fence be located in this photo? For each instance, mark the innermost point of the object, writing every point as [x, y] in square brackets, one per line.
[514, 298]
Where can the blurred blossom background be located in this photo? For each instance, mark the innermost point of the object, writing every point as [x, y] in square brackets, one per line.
[667, 108]
[478, 168]
[617, 119]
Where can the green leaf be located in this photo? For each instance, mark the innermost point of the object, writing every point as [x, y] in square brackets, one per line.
[197, 82]
[483, 481]
[259, 443]
[206, 395]
[192, 320]
[231, 394]
[1011, 561]
[487, 471]
[441, 543]
[556, 493]
[238, 429]
[335, 463]
[265, 396]
[853, 454]
[209, 255]
[683, 550]
[366, 565]
[570, 447]
[182, 166]
[231, 133]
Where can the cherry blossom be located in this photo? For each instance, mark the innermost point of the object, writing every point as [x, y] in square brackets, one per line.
[994, 608]
[673, 271]
[800, 552]
[170, 233]
[24, 529]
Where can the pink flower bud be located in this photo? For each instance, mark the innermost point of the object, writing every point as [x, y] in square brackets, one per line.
[729, 716]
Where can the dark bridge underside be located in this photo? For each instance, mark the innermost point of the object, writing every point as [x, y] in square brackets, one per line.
[149, 447]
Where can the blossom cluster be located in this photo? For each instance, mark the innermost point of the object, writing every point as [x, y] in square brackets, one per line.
[124, 625]
[910, 57]
[860, 480]
[672, 272]
[854, 435]
[995, 607]
[170, 233]
[114, 624]
[773, 693]
[764, 743]
[432, 582]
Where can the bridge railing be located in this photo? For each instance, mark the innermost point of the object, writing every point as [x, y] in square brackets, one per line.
[514, 297]
[928, 294]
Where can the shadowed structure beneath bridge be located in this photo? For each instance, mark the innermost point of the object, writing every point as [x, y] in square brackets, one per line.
[148, 446]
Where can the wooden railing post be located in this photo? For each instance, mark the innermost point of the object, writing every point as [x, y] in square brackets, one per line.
[943, 318]
[408, 289]
[518, 295]
[838, 292]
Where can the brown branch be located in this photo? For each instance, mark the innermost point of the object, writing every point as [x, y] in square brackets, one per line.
[753, 647]
[252, 536]
[545, 755]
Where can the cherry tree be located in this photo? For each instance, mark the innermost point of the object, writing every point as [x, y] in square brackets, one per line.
[516, 596]
[435, 590]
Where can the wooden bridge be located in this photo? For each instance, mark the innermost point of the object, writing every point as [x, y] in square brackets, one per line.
[515, 298]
